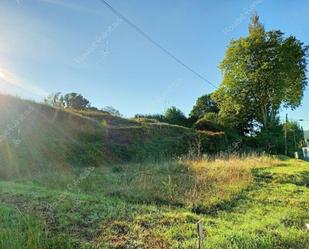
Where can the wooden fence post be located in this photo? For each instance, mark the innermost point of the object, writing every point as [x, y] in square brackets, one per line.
[200, 232]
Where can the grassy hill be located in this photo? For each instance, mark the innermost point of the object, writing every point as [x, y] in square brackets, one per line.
[37, 138]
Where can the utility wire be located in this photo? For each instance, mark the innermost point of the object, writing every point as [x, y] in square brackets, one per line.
[148, 37]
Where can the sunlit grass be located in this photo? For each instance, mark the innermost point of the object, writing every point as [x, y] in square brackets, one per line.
[175, 182]
[243, 202]
[47, 201]
[21, 230]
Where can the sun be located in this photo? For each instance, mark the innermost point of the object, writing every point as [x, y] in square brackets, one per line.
[5, 75]
[2, 75]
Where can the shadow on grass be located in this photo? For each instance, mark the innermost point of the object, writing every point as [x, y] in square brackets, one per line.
[262, 175]
[225, 205]
[283, 158]
[300, 179]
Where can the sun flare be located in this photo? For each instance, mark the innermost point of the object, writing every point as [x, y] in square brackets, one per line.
[7, 76]
[10, 78]
[2, 75]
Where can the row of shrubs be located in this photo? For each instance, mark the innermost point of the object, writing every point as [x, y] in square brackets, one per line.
[271, 140]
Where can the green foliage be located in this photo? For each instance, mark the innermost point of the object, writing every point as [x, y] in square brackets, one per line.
[272, 140]
[295, 137]
[124, 206]
[209, 122]
[206, 125]
[76, 101]
[171, 116]
[157, 117]
[203, 105]
[55, 100]
[70, 100]
[175, 116]
[214, 143]
[262, 72]
[111, 110]
[212, 116]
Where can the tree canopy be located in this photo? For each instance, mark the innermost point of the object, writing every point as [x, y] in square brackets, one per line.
[174, 115]
[76, 101]
[261, 73]
[203, 105]
[70, 100]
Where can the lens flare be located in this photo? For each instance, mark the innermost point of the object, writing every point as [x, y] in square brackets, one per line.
[2, 75]
[7, 76]
[10, 78]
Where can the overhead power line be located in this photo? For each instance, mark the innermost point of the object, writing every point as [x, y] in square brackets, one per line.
[150, 39]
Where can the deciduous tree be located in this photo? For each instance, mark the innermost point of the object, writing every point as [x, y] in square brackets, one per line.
[262, 72]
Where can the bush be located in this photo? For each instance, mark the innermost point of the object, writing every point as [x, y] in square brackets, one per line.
[158, 117]
[205, 125]
[175, 116]
[212, 116]
[272, 139]
[209, 122]
[203, 105]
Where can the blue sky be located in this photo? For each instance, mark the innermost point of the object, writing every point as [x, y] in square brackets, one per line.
[81, 46]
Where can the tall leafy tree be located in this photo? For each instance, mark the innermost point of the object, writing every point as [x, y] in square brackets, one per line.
[262, 72]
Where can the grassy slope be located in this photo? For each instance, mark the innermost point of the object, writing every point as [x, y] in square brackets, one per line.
[40, 138]
[266, 210]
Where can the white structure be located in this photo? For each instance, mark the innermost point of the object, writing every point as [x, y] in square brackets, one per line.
[296, 155]
[306, 153]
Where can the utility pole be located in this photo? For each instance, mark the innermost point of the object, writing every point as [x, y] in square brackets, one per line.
[286, 135]
[295, 146]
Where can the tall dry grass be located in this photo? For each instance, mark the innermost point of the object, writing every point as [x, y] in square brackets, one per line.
[221, 179]
[188, 182]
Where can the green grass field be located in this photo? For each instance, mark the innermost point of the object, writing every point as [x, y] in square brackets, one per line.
[254, 202]
[72, 180]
